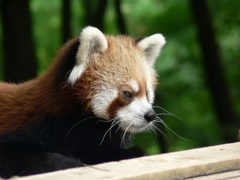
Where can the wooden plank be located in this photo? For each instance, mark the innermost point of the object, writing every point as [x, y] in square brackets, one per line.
[220, 176]
[177, 165]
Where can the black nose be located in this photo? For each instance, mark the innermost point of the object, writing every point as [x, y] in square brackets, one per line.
[150, 116]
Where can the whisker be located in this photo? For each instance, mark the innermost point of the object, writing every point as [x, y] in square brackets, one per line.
[162, 109]
[156, 128]
[124, 134]
[102, 121]
[75, 126]
[155, 131]
[123, 122]
[151, 128]
[170, 130]
[167, 114]
[164, 124]
[114, 123]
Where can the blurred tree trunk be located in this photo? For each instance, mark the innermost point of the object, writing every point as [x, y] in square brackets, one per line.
[214, 72]
[20, 62]
[161, 136]
[161, 139]
[66, 20]
[95, 10]
[120, 18]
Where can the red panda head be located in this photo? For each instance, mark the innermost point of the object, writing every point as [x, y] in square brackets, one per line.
[114, 77]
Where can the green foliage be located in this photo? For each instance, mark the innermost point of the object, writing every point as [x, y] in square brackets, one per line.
[47, 24]
[46, 18]
[227, 31]
[78, 17]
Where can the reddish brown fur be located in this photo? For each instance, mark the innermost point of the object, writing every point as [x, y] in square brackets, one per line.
[24, 104]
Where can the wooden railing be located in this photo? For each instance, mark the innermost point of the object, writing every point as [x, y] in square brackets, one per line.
[215, 162]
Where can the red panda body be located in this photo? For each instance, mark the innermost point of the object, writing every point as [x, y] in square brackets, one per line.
[98, 90]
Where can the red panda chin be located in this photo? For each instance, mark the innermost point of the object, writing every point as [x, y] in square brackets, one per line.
[133, 119]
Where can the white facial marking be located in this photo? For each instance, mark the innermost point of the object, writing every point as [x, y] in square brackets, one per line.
[134, 114]
[101, 101]
[92, 40]
[150, 92]
[134, 85]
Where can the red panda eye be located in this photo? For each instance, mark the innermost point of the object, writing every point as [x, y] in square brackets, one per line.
[127, 95]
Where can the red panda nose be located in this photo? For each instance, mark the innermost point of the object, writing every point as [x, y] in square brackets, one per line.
[150, 116]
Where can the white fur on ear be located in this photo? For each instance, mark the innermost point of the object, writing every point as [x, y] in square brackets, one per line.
[92, 41]
[152, 46]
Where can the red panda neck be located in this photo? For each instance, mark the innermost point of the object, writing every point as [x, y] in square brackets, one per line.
[30, 102]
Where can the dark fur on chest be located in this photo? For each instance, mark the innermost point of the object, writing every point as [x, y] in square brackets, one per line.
[71, 140]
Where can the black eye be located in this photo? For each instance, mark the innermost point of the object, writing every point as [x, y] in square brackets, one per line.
[128, 95]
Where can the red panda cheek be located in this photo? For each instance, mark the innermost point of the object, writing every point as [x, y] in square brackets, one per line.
[116, 104]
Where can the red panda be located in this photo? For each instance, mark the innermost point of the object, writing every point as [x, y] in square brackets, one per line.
[97, 85]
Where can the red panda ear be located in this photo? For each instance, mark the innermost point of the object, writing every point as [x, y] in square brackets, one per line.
[152, 46]
[92, 41]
